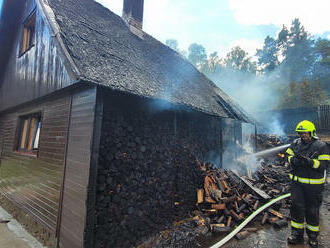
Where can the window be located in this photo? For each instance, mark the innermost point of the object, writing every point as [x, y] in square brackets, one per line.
[28, 33]
[29, 132]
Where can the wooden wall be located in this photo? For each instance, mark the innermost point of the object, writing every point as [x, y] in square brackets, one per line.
[34, 184]
[323, 117]
[39, 71]
[77, 172]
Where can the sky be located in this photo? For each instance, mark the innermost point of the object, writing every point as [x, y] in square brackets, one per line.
[1, 1]
[219, 25]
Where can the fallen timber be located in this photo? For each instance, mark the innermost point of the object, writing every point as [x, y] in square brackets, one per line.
[260, 192]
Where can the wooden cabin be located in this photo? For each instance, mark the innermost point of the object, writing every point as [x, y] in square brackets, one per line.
[101, 124]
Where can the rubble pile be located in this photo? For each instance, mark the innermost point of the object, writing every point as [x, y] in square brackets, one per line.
[265, 141]
[271, 178]
[225, 201]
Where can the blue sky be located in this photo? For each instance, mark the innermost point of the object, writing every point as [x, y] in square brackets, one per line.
[219, 25]
[1, 1]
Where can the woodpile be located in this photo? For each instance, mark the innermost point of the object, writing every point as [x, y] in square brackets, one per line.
[147, 175]
[228, 198]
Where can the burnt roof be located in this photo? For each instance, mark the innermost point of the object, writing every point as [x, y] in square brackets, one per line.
[106, 52]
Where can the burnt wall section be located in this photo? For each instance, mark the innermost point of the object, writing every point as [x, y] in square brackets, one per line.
[232, 142]
[148, 174]
[33, 184]
[40, 70]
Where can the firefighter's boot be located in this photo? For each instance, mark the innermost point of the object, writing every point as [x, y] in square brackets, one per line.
[313, 243]
[296, 238]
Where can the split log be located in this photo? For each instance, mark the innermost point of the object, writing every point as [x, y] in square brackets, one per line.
[250, 229]
[218, 206]
[219, 229]
[272, 211]
[242, 235]
[256, 204]
[243, 206]
[229, 221]
[264, 218]
[220, 219]
[237, 217]
[200, 196]
[217, 225]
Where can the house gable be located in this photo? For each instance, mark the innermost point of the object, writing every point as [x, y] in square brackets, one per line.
[34, 64]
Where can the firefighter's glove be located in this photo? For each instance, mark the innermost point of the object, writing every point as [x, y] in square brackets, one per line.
[295, 161]
[305, 161]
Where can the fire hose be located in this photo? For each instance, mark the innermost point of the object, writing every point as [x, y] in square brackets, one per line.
[247, 220]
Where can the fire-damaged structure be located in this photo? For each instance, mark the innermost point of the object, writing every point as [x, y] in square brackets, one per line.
[101, 124]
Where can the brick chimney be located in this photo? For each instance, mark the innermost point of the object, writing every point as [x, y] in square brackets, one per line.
[133, 13]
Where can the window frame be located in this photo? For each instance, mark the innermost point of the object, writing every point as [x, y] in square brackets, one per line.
[28, 131]
[28, 37]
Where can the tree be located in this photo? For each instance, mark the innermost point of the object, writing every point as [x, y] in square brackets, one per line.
[213, 65]
[303, 94]
[321, 70]
[297, 50]
[267, 56]
[237, 59]
[322, 49]
[282, 38]
[172, 43]
[197, 54]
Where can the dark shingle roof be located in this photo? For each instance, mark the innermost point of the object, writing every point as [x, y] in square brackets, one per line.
[106, 52]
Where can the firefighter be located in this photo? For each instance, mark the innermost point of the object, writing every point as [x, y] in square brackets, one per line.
[308, 158]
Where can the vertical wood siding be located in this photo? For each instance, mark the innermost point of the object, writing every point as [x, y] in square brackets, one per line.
[77, 171]
[34, 184]
[323, 117]
[39, 71]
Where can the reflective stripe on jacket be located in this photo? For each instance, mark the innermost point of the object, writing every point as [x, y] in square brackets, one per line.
[315, 150]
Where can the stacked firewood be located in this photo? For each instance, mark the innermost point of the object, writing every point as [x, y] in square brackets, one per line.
[147, 174]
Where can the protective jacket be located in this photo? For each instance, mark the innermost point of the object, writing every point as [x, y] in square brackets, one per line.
[317, 155]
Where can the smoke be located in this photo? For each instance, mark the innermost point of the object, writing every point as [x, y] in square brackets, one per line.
[240, 158]
[160, 105]
[275, 126]
[256, 94]
[213, 157]
[239, 151]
